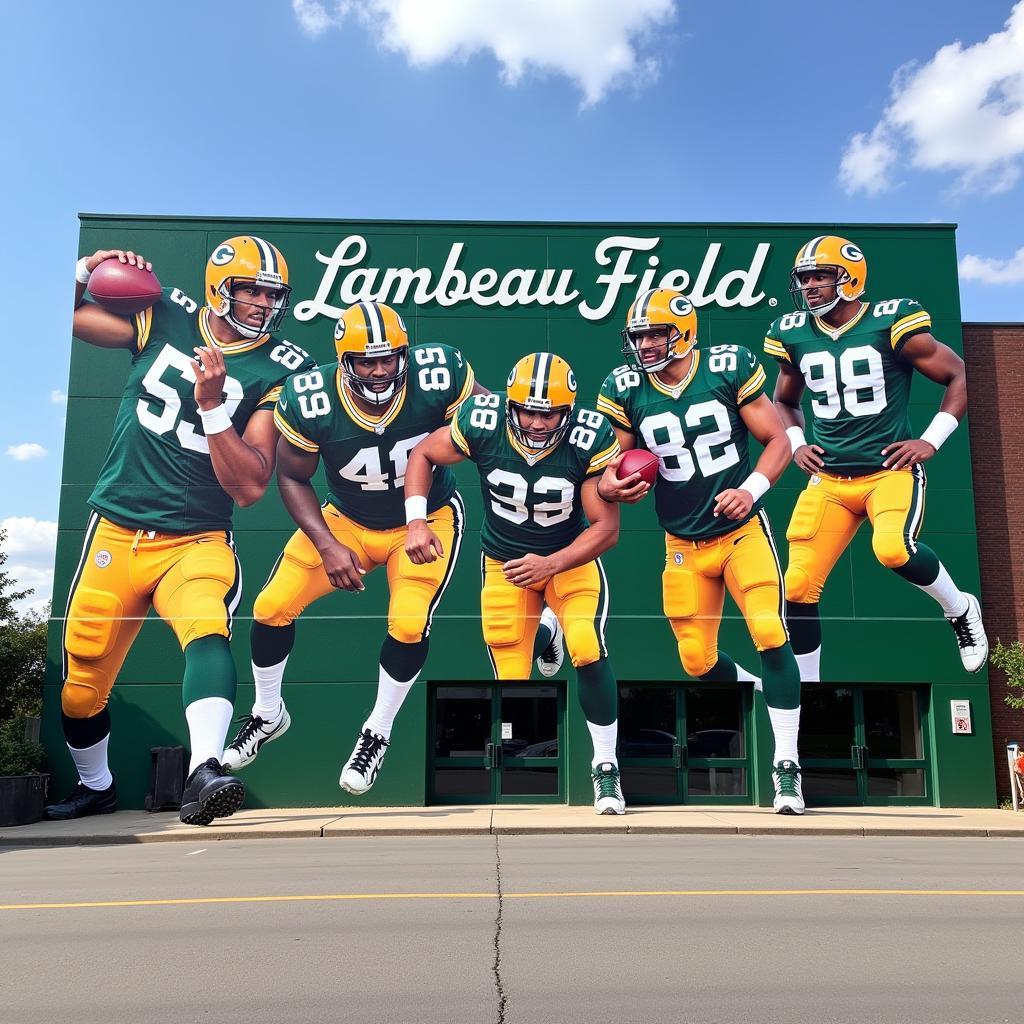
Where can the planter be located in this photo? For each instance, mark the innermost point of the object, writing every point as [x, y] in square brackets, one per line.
[22, 798]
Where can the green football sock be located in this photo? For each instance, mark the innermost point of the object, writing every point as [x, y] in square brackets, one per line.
[209, 670]
[723, 671]
[541, 640]
[922, 568]
[599, 693]
[780, 678]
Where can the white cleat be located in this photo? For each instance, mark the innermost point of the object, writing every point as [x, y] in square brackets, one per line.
[255, 731]
[789, 793]
[550, 659]
[970, 635]
[360, 773]
[608, 798]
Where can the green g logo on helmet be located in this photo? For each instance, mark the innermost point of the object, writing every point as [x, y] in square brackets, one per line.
[222, 254]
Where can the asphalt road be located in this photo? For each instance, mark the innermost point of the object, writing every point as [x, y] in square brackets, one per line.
[586, 928]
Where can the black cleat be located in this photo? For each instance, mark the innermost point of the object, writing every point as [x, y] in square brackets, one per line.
[83, 801]
[211, 791]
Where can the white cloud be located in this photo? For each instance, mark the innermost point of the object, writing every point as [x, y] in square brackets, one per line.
[991, 271]
[58, 397]
[30, 546]
[962, 112]
[596, 44]
[24, 452]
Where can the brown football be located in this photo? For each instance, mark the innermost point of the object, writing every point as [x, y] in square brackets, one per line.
[639, 460]
[123, 288]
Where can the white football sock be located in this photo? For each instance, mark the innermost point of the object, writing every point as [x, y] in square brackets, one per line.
[809, 665]
[91, 763]
[605, 738]
[786, 727]
[952, 599]
[391, 696]
[743, 676]
[208, 721]
[268, 679]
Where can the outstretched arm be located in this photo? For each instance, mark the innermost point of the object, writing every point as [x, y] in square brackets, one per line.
[94, 324]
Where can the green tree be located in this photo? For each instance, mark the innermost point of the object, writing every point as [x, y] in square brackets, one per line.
[22, 650]
[1010, 658]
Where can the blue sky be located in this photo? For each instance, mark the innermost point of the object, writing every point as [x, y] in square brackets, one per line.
[561, 110]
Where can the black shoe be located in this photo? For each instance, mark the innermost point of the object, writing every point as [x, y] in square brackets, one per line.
[83, 801]
[211, 791]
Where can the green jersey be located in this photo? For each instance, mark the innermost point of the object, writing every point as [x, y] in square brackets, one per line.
[696, 431]
[365, 457]
[531, 501]
[860, 386]
[158, 474]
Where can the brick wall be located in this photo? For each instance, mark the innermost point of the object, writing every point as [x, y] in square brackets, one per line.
[994, 354]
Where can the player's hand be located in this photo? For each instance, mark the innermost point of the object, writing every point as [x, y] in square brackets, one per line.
[123, 256]
[907, 453]
[208, 366]
[809, 458]
[734, 503]
[629, 491]
[342, 567]
[422, 545]
[530, 569]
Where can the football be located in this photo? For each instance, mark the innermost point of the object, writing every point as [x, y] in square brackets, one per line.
[638, 460]
[123, 288]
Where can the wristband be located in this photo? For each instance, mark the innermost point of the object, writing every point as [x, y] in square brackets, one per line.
[215, 421]
[939, 430]
[82, 274]
[796, 437]
[757, 484]
[415, 507]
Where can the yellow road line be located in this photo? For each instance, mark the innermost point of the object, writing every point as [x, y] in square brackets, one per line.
[625, 893]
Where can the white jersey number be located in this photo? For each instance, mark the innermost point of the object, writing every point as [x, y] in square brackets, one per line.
[663, 435]
[510, 503]
[863, 385]
[364, 468]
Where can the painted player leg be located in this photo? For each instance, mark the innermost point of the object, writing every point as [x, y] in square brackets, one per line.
[754, 578]
[579, 599]
[103, 617]
[896, 510]
[820, 530]
[509, 616]
[197, 598]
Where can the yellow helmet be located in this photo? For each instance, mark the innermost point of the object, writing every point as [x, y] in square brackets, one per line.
[247, 258]
[653, 310]
[540, 382]
[371, 330]
[829, 252]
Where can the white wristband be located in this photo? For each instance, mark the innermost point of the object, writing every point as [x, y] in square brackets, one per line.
[940, 429]
[757, 484]
[215, 421]
[796, 437]
[415, 508]
[82, 274]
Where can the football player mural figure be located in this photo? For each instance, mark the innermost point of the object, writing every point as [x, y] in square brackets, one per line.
[193, 436]
[695, 410]
[539, 459]
[858, 359]
[362, 415]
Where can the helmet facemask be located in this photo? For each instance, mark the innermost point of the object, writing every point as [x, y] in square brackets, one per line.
[552, 436]
[273, 315]
[363, 387]
[799, 291]
[631, 338]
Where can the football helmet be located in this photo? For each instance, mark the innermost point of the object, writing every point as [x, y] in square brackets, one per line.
[247, 258]
[540, 382]
[371, 330]
[829, 252]
[654, 310]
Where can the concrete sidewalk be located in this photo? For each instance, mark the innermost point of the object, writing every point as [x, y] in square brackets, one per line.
[517, 819]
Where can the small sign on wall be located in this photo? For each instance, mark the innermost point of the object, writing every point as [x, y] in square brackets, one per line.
[960, 710]
[506, 730]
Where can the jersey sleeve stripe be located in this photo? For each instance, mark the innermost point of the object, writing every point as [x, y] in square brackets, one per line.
[143, 324]
[775, 348]
[601, 460]
[271, 396]
[616, 412]
[467, 390]
[292, 435]
[459, 439]
[913, 324]
[752, 385]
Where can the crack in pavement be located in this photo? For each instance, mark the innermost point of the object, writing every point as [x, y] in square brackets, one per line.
[496, 969]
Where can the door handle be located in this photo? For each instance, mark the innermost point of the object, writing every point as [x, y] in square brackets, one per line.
[857, 758]
[679, 756]
[488, 756]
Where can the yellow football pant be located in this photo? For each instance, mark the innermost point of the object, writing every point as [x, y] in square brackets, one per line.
[192, 580]
[299, 579]
[696, 576]
[830, 510]
[510, 615]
